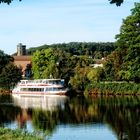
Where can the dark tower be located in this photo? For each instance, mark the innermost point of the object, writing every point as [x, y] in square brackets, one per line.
[21, 49]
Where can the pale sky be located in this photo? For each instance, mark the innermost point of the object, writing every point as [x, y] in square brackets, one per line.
[38, 22]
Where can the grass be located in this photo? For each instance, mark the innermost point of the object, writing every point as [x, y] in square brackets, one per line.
[8, 134]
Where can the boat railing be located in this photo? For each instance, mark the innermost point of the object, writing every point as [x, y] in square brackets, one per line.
[42, 82]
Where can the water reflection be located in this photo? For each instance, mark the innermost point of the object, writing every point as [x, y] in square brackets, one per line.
[39, 110]
[113, 118]
[41, 102]
[7, 110]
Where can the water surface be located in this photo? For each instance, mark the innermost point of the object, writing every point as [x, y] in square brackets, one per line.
[62, 118]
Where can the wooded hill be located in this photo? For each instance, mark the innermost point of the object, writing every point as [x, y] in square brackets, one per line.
[96, 50]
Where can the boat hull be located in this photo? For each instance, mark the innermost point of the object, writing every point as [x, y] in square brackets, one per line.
[38, 93]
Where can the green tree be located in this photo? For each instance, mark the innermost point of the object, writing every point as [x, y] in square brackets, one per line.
[112, 66]
[9, 76]
[51, 70]
[96, 74]
[128, 42]
[45, 64]
[79, 80]
[4, 60]
[9, 73]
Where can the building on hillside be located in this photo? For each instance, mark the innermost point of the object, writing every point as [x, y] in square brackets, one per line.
[97, 63]
[22, 60]
[21, 49]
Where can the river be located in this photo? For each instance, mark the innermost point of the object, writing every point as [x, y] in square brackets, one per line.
[79, 118]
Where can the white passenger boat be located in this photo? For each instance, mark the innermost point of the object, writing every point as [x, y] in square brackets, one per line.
[40, 87]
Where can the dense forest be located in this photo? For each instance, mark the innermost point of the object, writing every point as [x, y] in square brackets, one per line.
[73, 62]
[96, 50]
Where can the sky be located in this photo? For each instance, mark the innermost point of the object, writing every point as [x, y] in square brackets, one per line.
[37, 22]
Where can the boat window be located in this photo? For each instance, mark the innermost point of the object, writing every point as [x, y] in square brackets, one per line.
[49, 89]
[22, 82]
[61, 88]
[23, 89]
[38, 89]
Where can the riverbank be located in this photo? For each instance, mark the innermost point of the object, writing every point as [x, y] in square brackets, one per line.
[8, 134]
[112, 88]
[4, 91]
[102, 88]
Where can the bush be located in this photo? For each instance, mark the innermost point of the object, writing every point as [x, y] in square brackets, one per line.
[8, 134]
[113, 88]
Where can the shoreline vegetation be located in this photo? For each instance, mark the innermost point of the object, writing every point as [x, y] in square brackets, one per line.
[5, 91]
[8, 134]
[102, 88]
[112, 89]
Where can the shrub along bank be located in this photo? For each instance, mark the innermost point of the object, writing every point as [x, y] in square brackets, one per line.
[8, 134]
[112, 88]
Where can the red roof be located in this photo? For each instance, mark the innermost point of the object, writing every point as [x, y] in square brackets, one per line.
[22, 58]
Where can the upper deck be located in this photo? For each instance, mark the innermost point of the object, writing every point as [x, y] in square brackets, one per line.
[42, 82]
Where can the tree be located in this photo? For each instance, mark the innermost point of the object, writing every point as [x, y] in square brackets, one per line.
[112, 66]
[6, 1]
[4, 60]
[9, 76]
[9, 73]
[128, 42]
[56, 63]
[45, 64]
[95, 74]
[39, 64]
[28, 71]
[79, 80]
[117, 2]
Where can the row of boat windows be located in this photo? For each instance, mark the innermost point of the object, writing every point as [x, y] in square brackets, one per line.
[42, 89]
[45, 82]
[32, 89]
